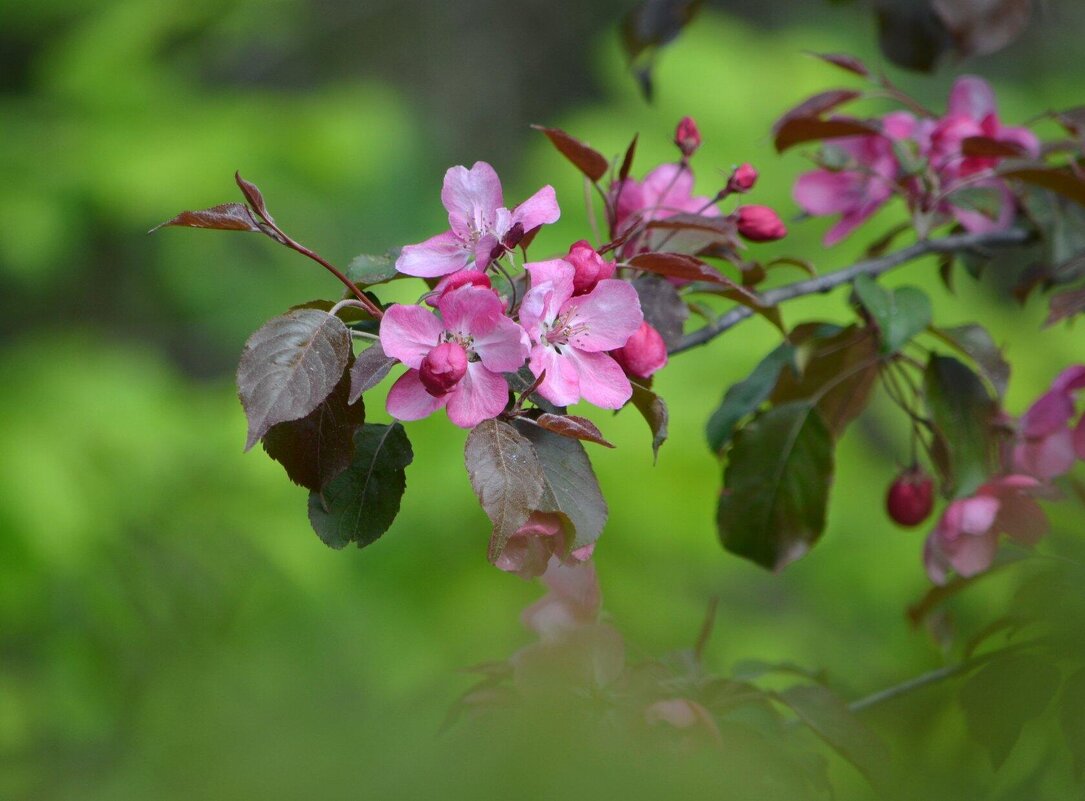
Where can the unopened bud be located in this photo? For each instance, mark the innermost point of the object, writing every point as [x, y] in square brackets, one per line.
[644, 352]
[513, 236]
[759, 224]
[742, 179]
[443, 368]
[590, 267]
[687, 137]
[910, 497]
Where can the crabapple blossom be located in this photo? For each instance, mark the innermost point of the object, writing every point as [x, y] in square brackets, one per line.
[644, 353]
[456, 280]
[530, 548]
[759, 224]
[591, 268]
[571, 335]
[479, 223]
[454, 361]
[665, 191]
[1047, 446]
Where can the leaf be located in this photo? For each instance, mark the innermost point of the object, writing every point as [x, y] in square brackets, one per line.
[1065, 305]
[369, 369]
[816, 105]
[571, 488]
[844, 62]
[746, 396]
[654, 411]
[320, 446]
[367, 270]
[910, 34]
[899, 313]
[568, 425]
[1002, 696]
[226, 217]
[776, 486]
[361, 503]
[980, 27]
[589, 161]
[1072, 720]
[961, 412]
[1061, 181]
[254, 196]
[289, 366]
[986, 147]
[648, 27]
[627, 160]
[663, 307]
[831, 720]
[976, 343]
[506, 476]
[677, 265]
[811, 129]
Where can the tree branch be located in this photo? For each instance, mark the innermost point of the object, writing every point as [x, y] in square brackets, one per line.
[830, 281]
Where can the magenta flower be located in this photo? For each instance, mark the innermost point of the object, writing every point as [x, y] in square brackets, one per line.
[530, 549]
[480, 224]
[667, 190]
[966, 537]
[759, 224]
[456, 360]
[591, 268]
[1047, 446]
[572, 334]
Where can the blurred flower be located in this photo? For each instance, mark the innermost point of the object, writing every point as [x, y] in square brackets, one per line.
[1047, 445]
[687, 137]
[666, 191]
[742, 179]
[573, 599]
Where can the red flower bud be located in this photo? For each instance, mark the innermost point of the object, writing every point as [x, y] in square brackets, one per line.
[455, 281]
[443, 368]
[590, 267]
[644, 352]
[742, 179]
[759, 224]
[910, 497]
[687, 137]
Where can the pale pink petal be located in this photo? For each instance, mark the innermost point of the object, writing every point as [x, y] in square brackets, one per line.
[503, 348]
[470, 309]
[484, 250]
[1079, 438]
[899, 125]
[1022, 137]
[551, 286]
[667, 190]
[1046, 457]
[971, 555]
[602, 380]
[1070, 379]
[438, 255]
[1013, 482]
[574, 600]
[1051, 412]
[977, 514]
[972, 97]
[562, 383]
[408, 399]
[539, 209]
[1021, 518]
[849, 222]
[606, 317]
[558, 272]
[479, 396]
[472, 198]
[408, 333]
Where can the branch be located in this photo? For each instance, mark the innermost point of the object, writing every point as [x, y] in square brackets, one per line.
[830, 281]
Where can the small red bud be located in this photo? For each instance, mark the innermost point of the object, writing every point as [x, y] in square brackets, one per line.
[443, 368]
[910, 497]
[590, 267]
[742, 179]
[687, 137]
[759, 224]
[644, 352]
[455, 281]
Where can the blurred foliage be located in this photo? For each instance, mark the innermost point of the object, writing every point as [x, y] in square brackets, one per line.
[170, 627]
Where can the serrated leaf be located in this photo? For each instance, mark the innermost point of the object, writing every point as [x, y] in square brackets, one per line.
[367, 270]
[743, 398]
[899, 313]
[663, 307]
[654, 411]
[224, 217]
[974, 341]
[961, 412]
[361, 503]
[506, 476]
[319, 446]
[571, 487]
[776, 486]
[369, 369]
[1004, 695]
[569, 425]
[289, 366]
[585, 158]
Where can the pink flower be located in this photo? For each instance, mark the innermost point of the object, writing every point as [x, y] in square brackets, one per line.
[759, 224]
[687, 137]
[667, 190]
[479, 223]
[530, 549]
[456, 280]
[742, 179]
[573, 600]
[1047, 446]
[590, 267]
[644, 353]
[966, 537]
[455, 361]
[572, 334]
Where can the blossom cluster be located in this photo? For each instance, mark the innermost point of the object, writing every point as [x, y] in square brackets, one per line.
[930, 162]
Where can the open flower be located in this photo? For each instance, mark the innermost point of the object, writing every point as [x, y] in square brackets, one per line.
[1047, 445]
[665, 191]
[455, 360]
[572, 334]
[479, 222]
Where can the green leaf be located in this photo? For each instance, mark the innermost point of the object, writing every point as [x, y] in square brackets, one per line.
[1001, 697]
[974, 341]
[744, 397]
[961, 412]
[776, 486]
[654, 412]
[368, 270]
[1072, 720]
[899, 313]
[982, 200]
[361, 503]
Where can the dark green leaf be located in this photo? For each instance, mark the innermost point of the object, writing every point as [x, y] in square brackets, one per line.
[743, 398]
[361, 503]
[1072, 719]
[1002, 696]
[654, 412]
[369, 369]
[505, 473]
[776, 486]
[974, 341]
[586, 159]
[962, 412]
[371, 270]
[899, 313]
[226, 217]
[289, 366]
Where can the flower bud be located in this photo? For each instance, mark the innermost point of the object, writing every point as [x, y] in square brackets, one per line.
[590, 267]
[687, 137]
[742, 179]
[759, 224]
[443, 368]
[455, 281]
[910, 497]
[644, 352]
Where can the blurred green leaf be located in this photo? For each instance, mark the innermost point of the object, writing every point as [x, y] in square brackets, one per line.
[900, 313]
[962, 413]
[744, 397]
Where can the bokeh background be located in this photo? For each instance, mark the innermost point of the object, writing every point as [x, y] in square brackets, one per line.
[170, 627]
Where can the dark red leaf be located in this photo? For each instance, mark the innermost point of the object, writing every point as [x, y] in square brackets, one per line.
[811, 129]
[627, 161]
[654, 23]
[1065, 305]
[227, 217]
[984, 146]
[589, 161]
[845, 62]
[677, 265]
[1072, 119]
[254, 196]
[1061, 181]
[369, 369]
[568, 425]
[654, 411]
[816, 105]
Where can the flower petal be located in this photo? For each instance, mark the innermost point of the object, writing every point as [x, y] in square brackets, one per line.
[539, 209]
[1046, 457]
[438, 255]
[479, 396]
[823, 192]
[1079, 438]
[470, 309]
[1070, 379]
[971, 555]
[562, 383]
[504, 347]
[472, 198]
[408, 333]
[606, 317]
[408, 399]
[972, 97]
[602, 380]
[1051, 412]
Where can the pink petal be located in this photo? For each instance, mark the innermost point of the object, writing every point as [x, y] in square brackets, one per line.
[602, 380]
[1051, 412]
[977, 514]
[1046, 457]
[573, 601]
[539, 209]
[470, 309]
[472, 198]
[1022, 137]
[1070, 379]
[503, 348]
[934, 561]
[823, 192]
[529, 549]
[562, 383]
[976, 222]
[605, 318]
[849, 222]
[479, 396]
[551, 286]
[408, 399]
[408, 333]
[438, 255]
[972, 97]
[667, 190]
[899, 125]
[484, 250]
[971, 555]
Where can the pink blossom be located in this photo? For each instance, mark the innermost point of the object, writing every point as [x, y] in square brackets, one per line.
[473, 327]
[742, 179]
[1047, 445]
[590, 267]
[572, 335]
[759, 224]
[667, 190]
[530, 549]
[687, 137]
[479, 222]
[966, 537]
[644, 353]
[456, 280]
